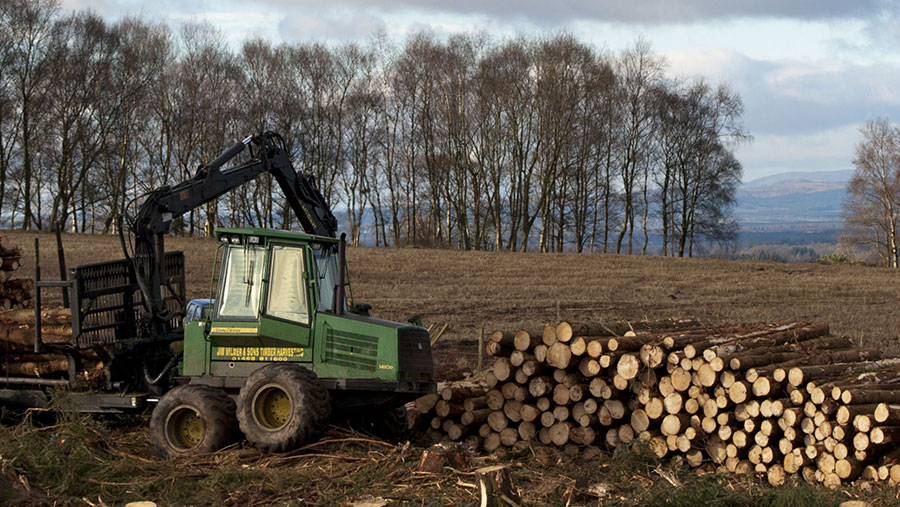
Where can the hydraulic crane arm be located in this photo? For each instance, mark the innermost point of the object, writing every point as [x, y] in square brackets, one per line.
[268, 156]
[163, 205]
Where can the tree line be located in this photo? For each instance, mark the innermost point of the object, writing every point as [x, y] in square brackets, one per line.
[470, 141]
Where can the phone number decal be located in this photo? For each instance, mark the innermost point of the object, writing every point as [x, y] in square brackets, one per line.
[258, 353]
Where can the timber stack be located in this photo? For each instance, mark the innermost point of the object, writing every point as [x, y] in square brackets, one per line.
[17, 346]
[15, 293]
[769, 399]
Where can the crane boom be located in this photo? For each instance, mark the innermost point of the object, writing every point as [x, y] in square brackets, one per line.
[163, 205]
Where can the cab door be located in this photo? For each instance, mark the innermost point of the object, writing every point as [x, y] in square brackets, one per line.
[285, 322]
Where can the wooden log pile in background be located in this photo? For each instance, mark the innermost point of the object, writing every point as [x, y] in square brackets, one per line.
[15, 293]
[771, 399]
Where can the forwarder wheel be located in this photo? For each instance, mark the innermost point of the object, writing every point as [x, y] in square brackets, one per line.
[192, 419]
[283, 406]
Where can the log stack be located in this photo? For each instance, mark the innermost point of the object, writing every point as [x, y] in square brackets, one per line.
[770, 399]
[17, 345]
[15, 293]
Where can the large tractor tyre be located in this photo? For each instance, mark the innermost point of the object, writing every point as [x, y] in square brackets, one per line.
[283, 406]
[192, 419]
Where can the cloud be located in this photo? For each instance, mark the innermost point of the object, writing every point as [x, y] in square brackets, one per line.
[644, 12]
[329, 25]
[826, 150]
[796, 96]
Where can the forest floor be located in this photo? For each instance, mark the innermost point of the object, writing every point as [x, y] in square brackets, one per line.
[89, 461]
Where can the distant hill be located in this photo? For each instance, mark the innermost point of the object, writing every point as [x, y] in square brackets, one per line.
[792, 208]
[842, 177]
[793, 198]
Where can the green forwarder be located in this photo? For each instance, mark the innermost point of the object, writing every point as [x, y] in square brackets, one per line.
[281, 350]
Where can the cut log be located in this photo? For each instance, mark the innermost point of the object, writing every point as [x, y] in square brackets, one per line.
[509, 436]
[446, 409]
[475, 417]
[512, 409]
[458, 394]
[502, 369]
[548, 336]
[561, 394]
[559, 432]
[495, 349]
[628, 366]
[615, 407]
[531, 368]
[846, 413]
[582, 435]
[868, 396]
[540, 353]
[540, 386]
[578, 346]
[673, 424]
[529, 413]
[559, 355]
[884, 435]
[527, 431]
[495, 399]
[588, 366]
[474, 403]
[425, 403]
[885, 413]
[776, 475]
[497, 421]
[527, 340]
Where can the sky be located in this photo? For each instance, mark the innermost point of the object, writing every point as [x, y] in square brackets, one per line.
[810, 72]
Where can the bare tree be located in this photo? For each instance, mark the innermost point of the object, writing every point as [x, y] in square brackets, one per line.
[30, 26]
[640, 70]
[874, 191]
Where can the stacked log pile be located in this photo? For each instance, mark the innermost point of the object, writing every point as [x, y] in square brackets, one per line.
[776, 399]
[17, 344]
[15, 293]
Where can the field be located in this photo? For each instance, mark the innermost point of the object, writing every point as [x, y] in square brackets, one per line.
[467, 291]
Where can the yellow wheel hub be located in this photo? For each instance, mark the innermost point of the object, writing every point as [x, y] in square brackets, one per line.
[272, 407]
[185, 428]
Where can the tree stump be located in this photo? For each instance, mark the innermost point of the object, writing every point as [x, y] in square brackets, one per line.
[454, 454]
[496, 487]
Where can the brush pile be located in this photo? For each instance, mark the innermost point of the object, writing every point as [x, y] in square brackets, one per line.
[774, 399]
[15, 293]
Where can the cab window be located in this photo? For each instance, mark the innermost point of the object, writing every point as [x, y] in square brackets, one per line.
[240, 288]
[287, 285]
[327, 267]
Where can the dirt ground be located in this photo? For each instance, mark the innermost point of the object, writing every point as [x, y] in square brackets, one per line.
[95, 461]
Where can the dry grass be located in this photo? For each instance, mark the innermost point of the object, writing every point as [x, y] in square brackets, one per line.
[469, 291]
[87, 461]
[490, 290]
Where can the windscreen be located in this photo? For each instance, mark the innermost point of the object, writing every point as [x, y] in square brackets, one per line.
[241, 283]
[287, 287]
[327, 270]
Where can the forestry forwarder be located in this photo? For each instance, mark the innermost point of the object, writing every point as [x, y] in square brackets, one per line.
[280, 348]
